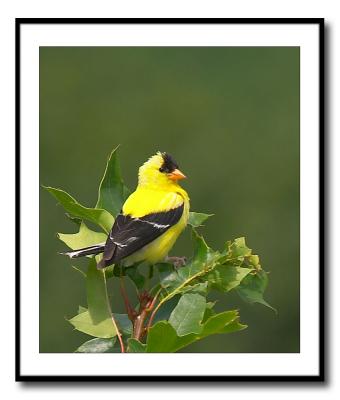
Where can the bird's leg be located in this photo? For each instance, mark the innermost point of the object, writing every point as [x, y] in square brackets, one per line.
[177, 261]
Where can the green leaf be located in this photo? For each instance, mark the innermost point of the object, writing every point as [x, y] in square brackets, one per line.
[97, 320]
[200, 288]
[97, 345]
[85, 237]
[84, 323]
[122, 320]
[112, 191]
[202, 256]
[234, 326]
[136, 277]
[162, 337]
[225, 278]
[209, 311]
[98, 216]
[97, 298]
[109, 272]
[197, 219]
[253, 260]
[168, 276]
[124, 323]
[187, 316]
[166, 309]
[238, 248]
[135, 346]
[75, 220]
[175, 280]
[204, 267]
[81, 309]
[217, 322]
[207, 270]
[252, 288]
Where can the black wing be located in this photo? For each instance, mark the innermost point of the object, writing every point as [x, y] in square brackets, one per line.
[131, 234]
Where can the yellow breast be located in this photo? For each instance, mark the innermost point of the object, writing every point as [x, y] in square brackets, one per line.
[146, 201]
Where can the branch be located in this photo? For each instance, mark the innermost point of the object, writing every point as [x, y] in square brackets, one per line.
[154, 311]
[147, 304]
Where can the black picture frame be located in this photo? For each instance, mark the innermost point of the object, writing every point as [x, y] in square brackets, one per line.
[19, 22]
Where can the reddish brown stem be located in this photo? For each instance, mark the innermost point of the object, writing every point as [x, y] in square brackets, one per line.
[151, 320]
[146, 305]
[139, 324]
[153, 310]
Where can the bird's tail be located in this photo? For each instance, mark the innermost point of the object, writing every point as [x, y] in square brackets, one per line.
[86, 251]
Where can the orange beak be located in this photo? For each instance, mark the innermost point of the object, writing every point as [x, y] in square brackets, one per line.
[176, 175]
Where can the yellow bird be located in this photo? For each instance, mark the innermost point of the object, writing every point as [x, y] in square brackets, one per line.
[151, 220]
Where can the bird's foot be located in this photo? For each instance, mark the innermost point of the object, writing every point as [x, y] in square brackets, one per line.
[177, 261]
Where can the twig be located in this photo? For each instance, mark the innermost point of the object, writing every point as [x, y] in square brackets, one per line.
[147, 303]
[154, 311]
[122, 349]
[152, 316]
[139, 324]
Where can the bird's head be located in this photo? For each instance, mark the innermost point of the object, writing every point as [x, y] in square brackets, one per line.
[160, 170]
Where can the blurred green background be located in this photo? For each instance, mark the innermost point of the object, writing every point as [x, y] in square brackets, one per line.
[228, 115]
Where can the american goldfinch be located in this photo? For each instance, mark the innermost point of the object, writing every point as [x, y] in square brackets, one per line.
[151, 219]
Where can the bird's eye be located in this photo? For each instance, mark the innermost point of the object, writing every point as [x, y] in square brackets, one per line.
[161, 169]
